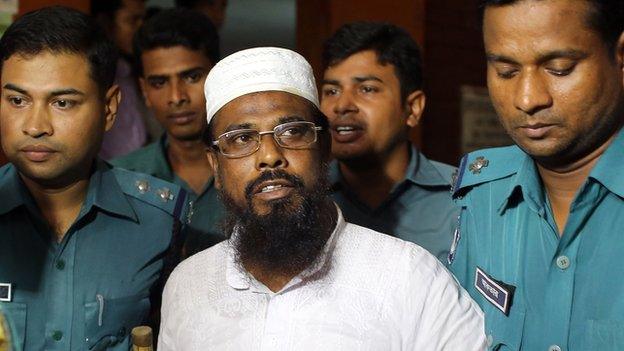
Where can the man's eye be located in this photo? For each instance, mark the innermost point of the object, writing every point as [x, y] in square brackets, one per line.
[560, 72]
[330, 91]
[16, 101]
[368, 89]
[240, 138]
[156, 83]
[64, 104]
[506, 74]
[193, 77]
[294, 131]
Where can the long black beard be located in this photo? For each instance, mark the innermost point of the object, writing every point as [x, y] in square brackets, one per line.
[291, 236]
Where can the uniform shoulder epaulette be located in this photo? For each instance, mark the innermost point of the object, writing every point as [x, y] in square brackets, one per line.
[169, 197]
[486, 165]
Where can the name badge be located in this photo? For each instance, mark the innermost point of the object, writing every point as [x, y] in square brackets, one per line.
[5, 292]
[498, 293]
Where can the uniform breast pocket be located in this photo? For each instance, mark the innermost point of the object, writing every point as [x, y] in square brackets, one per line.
[504, 333]
[108, 322]
[604, 335]
[15, 316]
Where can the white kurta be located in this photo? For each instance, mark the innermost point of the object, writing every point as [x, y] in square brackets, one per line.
[368, 291]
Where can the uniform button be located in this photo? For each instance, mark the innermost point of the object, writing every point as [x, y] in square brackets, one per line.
[563, 262]
[554, 348]
[60, 265]
[57, 335]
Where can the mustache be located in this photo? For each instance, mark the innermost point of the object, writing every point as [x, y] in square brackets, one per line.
[296, 181]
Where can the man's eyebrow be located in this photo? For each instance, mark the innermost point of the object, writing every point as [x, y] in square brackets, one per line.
[500, 58]
[363, 79]
[330, 82]
[157, 76]
[197, 69]
[567, 53]
[68, 91]
[233, 127]
[542, 58]
[13, 87]
[293, 118]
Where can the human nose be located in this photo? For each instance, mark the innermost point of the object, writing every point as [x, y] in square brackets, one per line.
[38, 123]
[269, 155]
[532, 94]
[178, 93]
[344, 103]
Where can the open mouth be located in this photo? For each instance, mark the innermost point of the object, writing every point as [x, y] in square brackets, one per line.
[346, 133]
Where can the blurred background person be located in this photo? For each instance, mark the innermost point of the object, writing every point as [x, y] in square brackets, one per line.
[174, 51]
[134, 126]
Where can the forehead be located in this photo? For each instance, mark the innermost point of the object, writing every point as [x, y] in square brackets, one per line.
[47, 71]
[171, 60]
[361, 63]
[262, 110]
[531, 26]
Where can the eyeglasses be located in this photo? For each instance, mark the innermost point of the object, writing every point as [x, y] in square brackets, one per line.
[244, 142]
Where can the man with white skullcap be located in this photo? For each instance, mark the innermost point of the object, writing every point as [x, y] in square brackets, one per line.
[293, 275]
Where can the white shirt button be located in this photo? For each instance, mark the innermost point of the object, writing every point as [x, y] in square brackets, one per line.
[554, 348]
[563, 262]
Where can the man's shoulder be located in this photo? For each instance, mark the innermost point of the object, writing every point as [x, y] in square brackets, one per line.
[487, 166]
[386, 252]
[139, 160]
[151, 191]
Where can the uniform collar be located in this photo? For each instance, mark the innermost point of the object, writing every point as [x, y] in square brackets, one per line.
[105, 193]
[527, 184]
[419, 171]
[13, 190]
[609, 169]
[160, 167]
[238, 278]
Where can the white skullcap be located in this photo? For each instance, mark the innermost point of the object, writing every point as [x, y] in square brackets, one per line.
[255, 70]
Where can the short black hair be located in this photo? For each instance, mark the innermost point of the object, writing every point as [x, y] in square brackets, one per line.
[61, 29]
[177, 27]
[607, 17]
[392, 44]
[192, 3]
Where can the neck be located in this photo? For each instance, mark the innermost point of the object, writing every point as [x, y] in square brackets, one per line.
[563, 183]
[373, 179]
[189, 161]
[59, 205]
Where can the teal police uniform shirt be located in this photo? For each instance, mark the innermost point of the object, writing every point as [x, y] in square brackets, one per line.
[419, 208]
[88, 291]
[206, 210]
[559, 293]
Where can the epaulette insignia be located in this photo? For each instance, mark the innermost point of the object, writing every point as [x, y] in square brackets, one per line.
[165, 194]
[143, 186]
[479, 163]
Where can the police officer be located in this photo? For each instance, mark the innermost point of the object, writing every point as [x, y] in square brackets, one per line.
[372, 95]
[82, 245]
[540, 234]
[174, 50]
